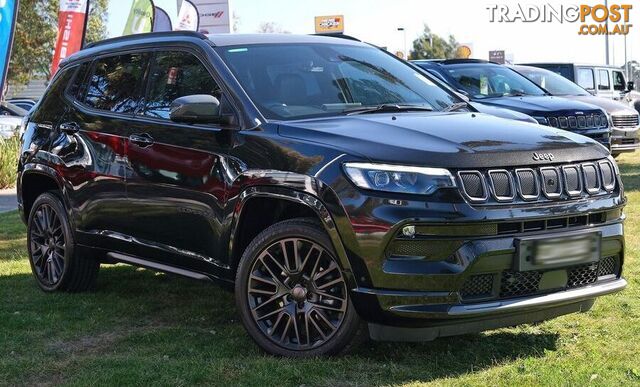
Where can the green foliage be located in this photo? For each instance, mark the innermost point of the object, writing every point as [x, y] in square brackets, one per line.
[35, 37]
[8, 161]
[431, 46]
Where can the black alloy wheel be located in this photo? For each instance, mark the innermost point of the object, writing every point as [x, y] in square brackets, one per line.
[47, 245]
[52, 254]
[294, 299]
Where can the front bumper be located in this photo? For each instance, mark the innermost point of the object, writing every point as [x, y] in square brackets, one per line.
[471, 318]
[624, 140]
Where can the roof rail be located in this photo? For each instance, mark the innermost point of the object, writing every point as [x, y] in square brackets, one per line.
[190, 34]
[339, 36]
[457, 61]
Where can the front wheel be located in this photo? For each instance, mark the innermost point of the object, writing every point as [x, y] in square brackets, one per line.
[291, 292]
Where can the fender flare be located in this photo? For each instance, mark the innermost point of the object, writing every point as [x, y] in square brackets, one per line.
[305, 198]
[43, 170]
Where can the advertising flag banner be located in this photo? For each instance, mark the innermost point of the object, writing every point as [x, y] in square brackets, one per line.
[71, 26]
[8, 14]
[188, 18]
[161, 20]
[215, 16]
[140, 18]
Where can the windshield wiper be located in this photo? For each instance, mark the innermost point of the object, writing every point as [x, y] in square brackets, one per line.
[386, 108]
[456, 106]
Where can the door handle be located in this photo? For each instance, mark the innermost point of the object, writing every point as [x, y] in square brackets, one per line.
[142, 140]
[69, 128]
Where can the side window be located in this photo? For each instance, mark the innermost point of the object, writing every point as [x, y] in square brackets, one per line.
[116, 82]
[76, 88]
[174, 75]
[618, 81]
[603, 80]
[585, 79]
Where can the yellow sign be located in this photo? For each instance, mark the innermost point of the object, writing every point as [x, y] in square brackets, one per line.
[332, 24]
[463, 52]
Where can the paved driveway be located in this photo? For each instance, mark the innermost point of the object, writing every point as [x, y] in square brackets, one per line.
[8, 200]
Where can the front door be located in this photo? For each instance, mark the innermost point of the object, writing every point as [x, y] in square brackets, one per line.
[175, 187]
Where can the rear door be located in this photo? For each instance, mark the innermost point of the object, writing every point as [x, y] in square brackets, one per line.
[175, 187]
[91, 146]
[605, 86]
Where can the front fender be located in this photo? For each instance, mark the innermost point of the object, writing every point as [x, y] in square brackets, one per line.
[298, 188]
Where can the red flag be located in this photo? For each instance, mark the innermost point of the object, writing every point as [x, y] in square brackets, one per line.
[71, 25]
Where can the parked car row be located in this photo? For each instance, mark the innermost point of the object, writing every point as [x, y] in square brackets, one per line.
[550, 99]
[334, 187]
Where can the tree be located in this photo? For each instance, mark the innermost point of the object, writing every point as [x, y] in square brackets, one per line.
[271, 28]
[431, 46]
[35, 37]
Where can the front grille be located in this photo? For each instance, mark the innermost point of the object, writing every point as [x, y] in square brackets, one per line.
[525, 283]
[608, 266]
[630, 121]
[477, 286]
[589, 121]
[538, 184]
[519, 283]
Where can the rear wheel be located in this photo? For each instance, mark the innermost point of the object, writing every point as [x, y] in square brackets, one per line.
[50, 242]
[292, 294]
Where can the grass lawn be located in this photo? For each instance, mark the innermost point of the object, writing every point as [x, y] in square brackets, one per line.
[140, 327]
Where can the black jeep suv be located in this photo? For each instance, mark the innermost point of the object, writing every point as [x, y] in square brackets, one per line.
[327, 181]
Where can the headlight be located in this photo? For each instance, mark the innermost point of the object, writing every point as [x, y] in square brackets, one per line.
[398, 178]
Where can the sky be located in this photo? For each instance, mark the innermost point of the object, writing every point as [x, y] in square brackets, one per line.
[377, 21]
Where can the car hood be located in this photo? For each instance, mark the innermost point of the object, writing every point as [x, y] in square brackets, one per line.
[450, 140]
[503, 113]
[609, 105]
[539, 105]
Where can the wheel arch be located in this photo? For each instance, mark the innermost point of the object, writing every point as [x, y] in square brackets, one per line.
[303, 203]
[34, 180]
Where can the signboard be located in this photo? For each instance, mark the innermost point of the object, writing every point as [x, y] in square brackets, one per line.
[8, 15]
[464, 51]
[332, 24]
[215, 16]
[71, 25]
[496, 56]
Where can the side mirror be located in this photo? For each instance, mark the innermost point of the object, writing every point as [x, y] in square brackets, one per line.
[196, 109]
[631, 86]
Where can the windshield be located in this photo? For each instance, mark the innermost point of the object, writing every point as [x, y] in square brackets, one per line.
[554, 83]
[490, 81]
[293, 81]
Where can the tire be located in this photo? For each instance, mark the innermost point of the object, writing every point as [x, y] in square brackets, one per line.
[310, 286]
[51, 246]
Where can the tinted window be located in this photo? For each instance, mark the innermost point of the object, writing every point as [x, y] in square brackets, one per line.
[289, 81]
[554, 83]
[487, 81]
[175, 75]
[116, 82]
[618, 81]
[585, 79]
[603, 80]
[76, 88]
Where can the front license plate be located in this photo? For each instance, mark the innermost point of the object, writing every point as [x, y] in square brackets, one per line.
[569, 250]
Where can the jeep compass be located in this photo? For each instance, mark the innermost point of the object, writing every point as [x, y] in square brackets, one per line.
[335, 188]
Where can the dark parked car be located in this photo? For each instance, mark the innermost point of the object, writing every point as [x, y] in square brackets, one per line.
[24, 103]
[624, 120]
[496, 85]
[327, 181]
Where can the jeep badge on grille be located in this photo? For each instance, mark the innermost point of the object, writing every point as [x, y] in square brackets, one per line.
[543, 156]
